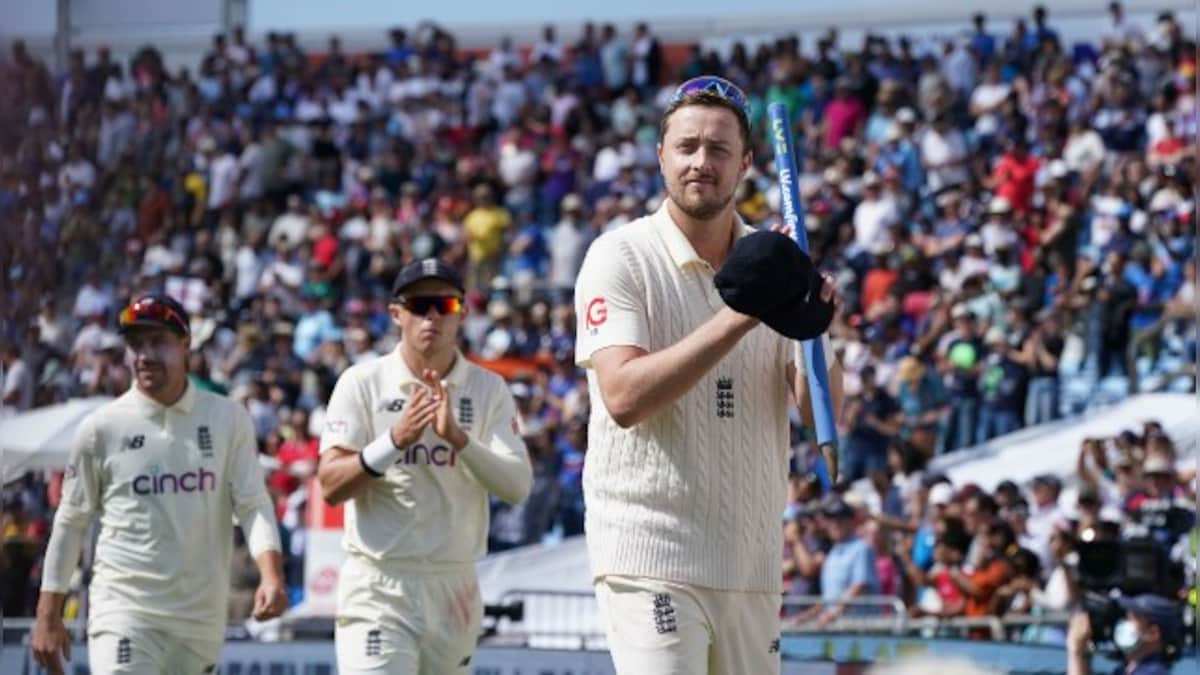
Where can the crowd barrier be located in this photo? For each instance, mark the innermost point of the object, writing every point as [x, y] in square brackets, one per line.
[559, 633]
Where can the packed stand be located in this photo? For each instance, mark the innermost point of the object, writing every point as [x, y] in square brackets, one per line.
[949, 551]
[994, 207]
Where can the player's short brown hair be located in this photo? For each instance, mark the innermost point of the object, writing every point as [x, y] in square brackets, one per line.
[712, 100]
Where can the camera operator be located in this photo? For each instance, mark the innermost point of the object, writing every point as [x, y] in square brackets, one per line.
[1147, 636]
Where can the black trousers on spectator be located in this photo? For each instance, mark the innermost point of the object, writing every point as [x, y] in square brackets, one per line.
[1112, 356]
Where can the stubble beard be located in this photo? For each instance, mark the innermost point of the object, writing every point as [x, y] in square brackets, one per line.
[698, 207]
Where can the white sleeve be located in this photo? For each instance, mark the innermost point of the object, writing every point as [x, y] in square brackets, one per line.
[497, 457]
[609, 304]
[251, 501]
[345, 423]
[81, 494]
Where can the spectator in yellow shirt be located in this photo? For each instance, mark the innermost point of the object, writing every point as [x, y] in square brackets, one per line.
[485, 225]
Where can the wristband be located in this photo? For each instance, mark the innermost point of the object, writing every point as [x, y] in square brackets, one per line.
[379, 455]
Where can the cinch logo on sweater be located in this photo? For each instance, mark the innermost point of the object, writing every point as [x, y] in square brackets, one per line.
[436, 455]
[202, 480]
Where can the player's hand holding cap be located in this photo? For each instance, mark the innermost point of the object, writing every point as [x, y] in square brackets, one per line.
[768, 277]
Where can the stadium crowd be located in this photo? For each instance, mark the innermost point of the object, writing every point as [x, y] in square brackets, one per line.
[1002, 211]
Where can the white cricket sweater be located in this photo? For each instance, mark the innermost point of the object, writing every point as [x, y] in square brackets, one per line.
[693, 494]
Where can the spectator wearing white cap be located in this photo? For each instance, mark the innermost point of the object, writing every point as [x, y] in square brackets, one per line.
[874, 215]
[568, 243]
[1044, 512]
[899, 154]
[974, 259]
[960, 358]
[998, 232]
[1000, 384]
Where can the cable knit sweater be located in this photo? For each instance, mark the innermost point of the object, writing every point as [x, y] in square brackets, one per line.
[694, 493]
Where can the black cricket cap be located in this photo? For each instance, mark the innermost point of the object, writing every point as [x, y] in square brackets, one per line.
[768, 277]
[429, 268]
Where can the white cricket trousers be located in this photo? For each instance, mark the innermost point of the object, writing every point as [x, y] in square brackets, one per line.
[149, 652]
[405, 620]
[657, 627]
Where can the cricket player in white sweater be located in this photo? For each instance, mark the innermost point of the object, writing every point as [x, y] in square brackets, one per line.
[413, 443]
[687, 465]
[166, 467]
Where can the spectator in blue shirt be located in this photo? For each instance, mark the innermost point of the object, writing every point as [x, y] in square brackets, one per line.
[899, 154]
[874, 418]
[849, 569]
[316, 325]
[572, 447]
[983, 45]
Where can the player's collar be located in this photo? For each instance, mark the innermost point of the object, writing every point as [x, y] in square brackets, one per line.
[151, 407]
[456, 377]
[678, 247]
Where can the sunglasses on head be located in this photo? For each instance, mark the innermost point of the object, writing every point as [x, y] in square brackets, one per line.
[421, 304]
[715, 85]
[150, 310]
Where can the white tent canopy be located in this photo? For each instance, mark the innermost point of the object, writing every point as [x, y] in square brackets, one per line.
[542, 567]
[42, 438]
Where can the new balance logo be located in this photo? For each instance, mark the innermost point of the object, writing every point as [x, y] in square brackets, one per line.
[664, 614]
[774, 648]
[374, 643]
[204, 440]
[465, 662]
[725, 398]
[466, 412]
[124, 652]
[133, 442]
[395, 405]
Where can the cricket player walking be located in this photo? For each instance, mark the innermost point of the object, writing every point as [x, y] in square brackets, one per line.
[686, 474]
[166, 467]
[413, 443]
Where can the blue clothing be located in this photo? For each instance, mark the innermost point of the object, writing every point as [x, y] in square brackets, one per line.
[535, 255]
[849, 563]
[930, 393]
[1151, 665]
[904, 157]
[311, 330]
[984, 46]
[923, 543]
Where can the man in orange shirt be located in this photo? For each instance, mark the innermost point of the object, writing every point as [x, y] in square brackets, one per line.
[980, 584]
[881, 277]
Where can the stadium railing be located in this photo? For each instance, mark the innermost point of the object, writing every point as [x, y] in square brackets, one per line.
[571, 620]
